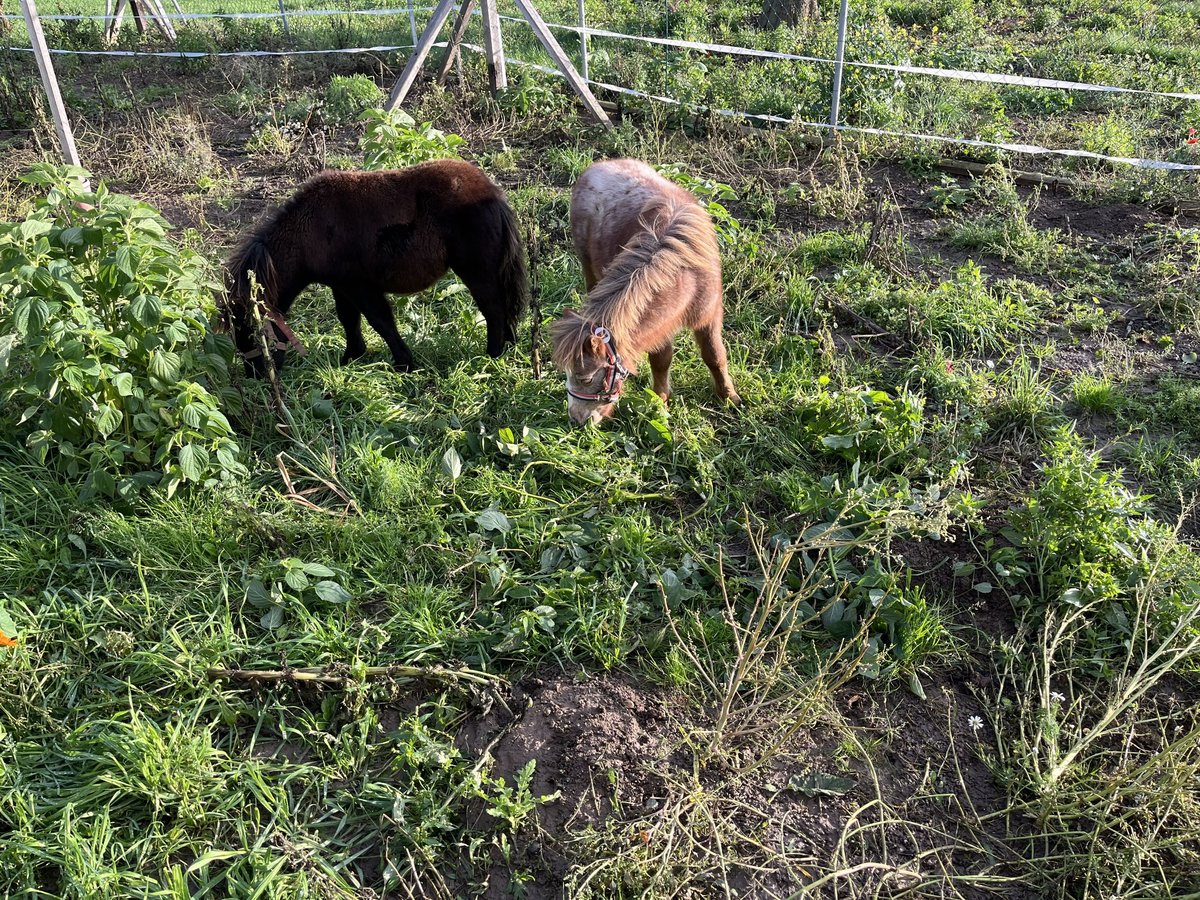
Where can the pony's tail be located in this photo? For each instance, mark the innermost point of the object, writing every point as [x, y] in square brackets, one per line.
[514, 273]
[250, 256]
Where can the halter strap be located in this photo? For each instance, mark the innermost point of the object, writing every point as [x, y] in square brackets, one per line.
[290, 339]
[615, 372]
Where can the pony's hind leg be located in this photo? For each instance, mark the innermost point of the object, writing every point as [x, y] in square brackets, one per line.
[378, 312]
[660, 368]
[350, 315]
[712, 351]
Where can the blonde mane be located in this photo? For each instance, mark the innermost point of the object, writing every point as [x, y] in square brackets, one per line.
[675, 235]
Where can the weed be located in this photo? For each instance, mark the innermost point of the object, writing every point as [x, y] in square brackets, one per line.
[348, 97]
[393, 140]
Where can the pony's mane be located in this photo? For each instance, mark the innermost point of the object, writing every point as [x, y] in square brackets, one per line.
[675, 234]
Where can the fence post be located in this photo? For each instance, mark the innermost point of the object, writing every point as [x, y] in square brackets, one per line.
[412, 21]
[835, 100]
[45, 66]
[583, 70]
[287, 32]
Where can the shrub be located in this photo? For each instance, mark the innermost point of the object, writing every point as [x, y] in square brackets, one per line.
[394, 140]
[108, 368]
[347, 98]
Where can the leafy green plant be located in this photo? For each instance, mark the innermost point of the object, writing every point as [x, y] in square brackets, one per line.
[513, 803]
[392, 139]
[711, 193]
[109, 370]
[530, 95]
[348, 97]
[292, 580]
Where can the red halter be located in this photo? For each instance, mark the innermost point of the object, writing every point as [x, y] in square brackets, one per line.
[614, 375]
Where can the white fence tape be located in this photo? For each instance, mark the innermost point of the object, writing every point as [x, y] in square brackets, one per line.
[1029, 149]
[185, 17]
[191, 54]
[956, 74]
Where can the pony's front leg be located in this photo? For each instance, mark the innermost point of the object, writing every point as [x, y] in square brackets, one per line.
[660, 368]
[349, 314]
[378, 312]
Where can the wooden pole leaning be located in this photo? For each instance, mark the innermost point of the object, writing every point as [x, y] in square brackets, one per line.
[493, 47]
[424, 45]
[58, 110]
[456, 36]
[551, 45]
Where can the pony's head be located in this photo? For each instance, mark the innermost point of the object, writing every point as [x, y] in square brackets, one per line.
[250, 279]
[587, 353]
[239, 321]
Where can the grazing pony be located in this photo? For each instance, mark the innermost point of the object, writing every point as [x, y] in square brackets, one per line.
[367, 234]
[651, 266]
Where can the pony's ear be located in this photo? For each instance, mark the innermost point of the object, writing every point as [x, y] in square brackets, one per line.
[596, 344]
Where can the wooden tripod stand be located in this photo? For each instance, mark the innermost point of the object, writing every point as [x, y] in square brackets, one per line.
[493, 46]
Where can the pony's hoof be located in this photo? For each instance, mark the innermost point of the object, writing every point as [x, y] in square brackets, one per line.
[404, 366]
[733, 399]
[348, 357]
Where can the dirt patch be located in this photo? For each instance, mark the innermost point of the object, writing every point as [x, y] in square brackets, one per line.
[886, 789]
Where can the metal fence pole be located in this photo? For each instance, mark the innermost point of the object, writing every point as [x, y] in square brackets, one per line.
[583, 43]
[287, 31]
[412, 21]
[835, 100]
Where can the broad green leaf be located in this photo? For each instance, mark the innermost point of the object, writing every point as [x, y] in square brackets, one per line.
[108, 419]
[273, 617]
[296, 579]
[451, 463]
[493, 520]
[332, 592]
[123, 382]
[815, 783]
[316, 570]
[193, 461]
[7, 342]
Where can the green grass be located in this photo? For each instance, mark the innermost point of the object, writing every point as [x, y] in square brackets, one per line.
[896, 513]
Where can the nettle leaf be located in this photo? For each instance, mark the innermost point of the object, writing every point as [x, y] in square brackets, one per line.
[332, 592]
[452, 464]
[193, 461]
[273, 617]
[493, 520]
[318, 571]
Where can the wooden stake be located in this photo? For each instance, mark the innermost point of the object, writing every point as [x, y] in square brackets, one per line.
[551, 45]
[413, 66]
[456, 36]
[58, 110]
[493, 47]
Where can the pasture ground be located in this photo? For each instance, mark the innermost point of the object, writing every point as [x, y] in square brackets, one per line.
[919, 619]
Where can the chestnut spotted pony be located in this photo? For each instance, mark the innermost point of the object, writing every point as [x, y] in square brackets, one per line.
[652, 268]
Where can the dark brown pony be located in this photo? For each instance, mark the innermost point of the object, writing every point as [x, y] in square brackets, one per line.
[652, 267]
[368, 234]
